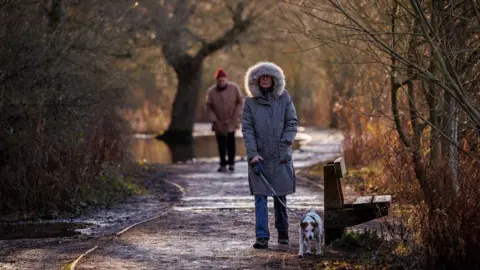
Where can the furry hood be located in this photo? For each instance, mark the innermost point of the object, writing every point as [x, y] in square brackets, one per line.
[264, 68]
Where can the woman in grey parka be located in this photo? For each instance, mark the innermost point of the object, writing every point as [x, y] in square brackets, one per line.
[269, 127]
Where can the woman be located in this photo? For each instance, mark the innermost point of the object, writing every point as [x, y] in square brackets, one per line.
[269, 127]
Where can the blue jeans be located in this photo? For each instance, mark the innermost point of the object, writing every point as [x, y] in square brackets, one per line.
[261, 215]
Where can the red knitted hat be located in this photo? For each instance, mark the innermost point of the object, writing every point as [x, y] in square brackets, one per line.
[220, 73]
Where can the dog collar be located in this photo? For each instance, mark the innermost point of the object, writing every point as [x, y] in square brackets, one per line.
[307, 215]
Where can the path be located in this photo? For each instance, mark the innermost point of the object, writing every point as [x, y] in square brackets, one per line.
[212, 226]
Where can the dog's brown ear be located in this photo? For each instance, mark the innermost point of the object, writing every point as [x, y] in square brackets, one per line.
[303, 225]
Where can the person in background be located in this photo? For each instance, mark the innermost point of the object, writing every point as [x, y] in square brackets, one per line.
[224, 103]
[269, 127]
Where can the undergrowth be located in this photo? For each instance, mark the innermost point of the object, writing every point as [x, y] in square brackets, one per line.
[434, 226]
[60, 134]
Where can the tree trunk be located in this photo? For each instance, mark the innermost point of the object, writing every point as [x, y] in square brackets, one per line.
[452, 133]
[435, 136]
[411, 142]
[189, 76]
[182, 152]
[452, 57]
[435, 101]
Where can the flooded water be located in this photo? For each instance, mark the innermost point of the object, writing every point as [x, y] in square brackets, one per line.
[39, 230]
[203, 147]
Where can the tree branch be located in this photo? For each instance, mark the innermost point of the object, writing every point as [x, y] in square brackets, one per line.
[458, 93]
[450, 86]
[239, 26]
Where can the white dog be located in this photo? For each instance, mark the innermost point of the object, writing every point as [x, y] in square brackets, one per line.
[311, 228]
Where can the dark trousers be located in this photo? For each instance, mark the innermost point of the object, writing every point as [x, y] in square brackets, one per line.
[226, 144]
[261, 215]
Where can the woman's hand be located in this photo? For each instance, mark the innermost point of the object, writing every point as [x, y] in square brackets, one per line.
[256, 159]
[285, 153]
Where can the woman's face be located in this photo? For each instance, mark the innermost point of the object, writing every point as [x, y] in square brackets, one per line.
[265, 81]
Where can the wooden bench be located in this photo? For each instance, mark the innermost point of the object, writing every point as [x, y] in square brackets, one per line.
[339, 215]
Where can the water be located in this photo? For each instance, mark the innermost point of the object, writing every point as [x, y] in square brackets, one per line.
[40, 230]
[202, 148]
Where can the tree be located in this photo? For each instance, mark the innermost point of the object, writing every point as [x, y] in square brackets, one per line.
[59, 131]
[430, 51]
[179, 29]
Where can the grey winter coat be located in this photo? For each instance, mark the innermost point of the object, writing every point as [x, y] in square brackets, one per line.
[269, 127]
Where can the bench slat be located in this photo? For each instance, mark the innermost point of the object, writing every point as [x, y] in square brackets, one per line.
[363, 200]
[341, 218]
[382, 198]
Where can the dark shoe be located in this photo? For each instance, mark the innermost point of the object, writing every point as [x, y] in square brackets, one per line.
[283, 238]
[222, 169]
[261, 243]
[231, 168]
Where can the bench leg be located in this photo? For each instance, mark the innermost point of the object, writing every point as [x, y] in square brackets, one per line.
[332, 234]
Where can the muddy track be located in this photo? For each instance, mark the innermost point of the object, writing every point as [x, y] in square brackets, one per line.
[211, 227]
[58, 252]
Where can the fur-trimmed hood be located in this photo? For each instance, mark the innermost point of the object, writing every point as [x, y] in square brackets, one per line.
[264, 68]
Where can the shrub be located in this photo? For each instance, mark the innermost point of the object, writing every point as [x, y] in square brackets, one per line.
[59, 130]
[444, 223]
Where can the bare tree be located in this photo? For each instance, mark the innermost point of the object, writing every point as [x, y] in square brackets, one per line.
[430, 50]
[180, 29]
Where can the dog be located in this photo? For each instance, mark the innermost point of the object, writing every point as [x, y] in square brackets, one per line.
[311, 228]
